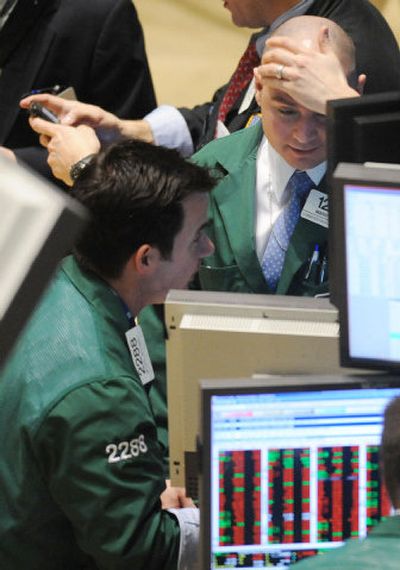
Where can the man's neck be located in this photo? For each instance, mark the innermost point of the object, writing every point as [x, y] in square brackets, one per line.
[291, 8]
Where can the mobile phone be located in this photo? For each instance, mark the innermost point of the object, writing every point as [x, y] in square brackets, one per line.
[38, 110]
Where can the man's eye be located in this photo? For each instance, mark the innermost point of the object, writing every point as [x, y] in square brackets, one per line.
[197, 237]
[286, 111]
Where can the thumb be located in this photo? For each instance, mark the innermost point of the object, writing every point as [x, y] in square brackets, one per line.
[43, 127]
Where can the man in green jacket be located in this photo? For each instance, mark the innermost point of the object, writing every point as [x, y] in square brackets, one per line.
[260, 169]
[81, 469]
[254, 167]
[381, 549]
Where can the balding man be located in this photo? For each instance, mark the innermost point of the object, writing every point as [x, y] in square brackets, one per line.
[269, 212]
[377, 56]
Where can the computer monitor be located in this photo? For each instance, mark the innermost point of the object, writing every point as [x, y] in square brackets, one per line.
[289, 466]
[222, 335]
[360, 129]
[367, 202]
[38, 225]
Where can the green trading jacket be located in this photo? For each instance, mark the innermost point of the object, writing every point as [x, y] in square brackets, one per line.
[379, 551]
[81, 469]
[234, 265]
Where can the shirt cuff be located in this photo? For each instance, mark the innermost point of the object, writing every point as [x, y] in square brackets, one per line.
[189, 524]
[170, 129]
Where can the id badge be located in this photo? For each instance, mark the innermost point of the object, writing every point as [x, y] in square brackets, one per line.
[140, 355]
[316, 208]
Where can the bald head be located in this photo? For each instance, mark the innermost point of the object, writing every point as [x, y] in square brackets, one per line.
[307, 29]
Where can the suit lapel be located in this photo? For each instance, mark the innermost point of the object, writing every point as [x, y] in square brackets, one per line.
[22, 19]
[27, 57]
[235, 200]
[306, 235]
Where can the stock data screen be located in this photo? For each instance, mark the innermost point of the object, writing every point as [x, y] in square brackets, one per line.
[372, 232]
[293, 473]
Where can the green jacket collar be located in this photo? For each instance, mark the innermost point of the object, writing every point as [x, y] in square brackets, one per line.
[230, 152]
[388, 527]
[237, 156]
[97, 292]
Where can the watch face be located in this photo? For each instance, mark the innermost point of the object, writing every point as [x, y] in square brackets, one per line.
[80, 166]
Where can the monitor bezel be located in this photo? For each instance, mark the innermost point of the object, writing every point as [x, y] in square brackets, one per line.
[194, 353]
[367, 176]
[261, 384]
[344, 117]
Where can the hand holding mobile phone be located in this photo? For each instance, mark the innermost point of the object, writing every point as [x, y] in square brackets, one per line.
[38, 110]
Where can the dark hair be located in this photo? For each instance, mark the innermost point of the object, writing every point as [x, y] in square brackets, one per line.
[134, 192]
[390, 450]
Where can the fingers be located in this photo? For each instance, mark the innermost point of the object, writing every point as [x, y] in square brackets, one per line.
[278, 55]
[361, 83]
[52, 102]
[275, 73]
[283, 42]
[44, 140]
[43, 127]
[68, 111]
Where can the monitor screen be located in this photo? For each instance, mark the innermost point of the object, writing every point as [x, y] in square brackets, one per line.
[368, 269]
[359, 130]
[38, 225]
[289, 467]
[222, 335]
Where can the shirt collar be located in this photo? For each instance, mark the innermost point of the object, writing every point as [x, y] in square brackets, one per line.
[298, 10]
[280, 171]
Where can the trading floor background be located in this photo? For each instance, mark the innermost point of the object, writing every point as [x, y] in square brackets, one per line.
[193, 47]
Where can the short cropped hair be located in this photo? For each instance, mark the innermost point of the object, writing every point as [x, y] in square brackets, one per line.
[134, 193]
[390, 450]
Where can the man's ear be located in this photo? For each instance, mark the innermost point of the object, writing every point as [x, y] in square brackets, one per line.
[145, 257]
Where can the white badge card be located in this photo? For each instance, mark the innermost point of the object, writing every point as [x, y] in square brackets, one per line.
[316, 208]
[140, 355]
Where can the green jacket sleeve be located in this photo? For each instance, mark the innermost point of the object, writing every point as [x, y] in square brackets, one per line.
[98, 451]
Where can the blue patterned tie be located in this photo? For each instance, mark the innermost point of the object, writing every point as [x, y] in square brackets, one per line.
[299, 186]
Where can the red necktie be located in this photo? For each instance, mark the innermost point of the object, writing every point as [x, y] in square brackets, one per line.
[239, 80]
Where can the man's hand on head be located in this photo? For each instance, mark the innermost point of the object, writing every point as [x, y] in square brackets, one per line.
[310, 76]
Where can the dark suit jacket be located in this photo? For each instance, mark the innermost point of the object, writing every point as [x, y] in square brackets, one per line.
[377, 55]
[96, 46]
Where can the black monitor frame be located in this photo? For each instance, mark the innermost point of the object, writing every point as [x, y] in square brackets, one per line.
[359, 129]
[355, 174]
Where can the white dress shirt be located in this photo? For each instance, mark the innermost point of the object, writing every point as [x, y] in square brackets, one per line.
[272, 176]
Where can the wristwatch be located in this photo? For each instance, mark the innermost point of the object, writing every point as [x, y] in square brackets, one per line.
[77, 168]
